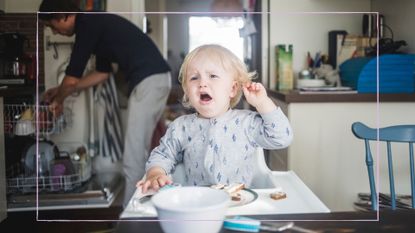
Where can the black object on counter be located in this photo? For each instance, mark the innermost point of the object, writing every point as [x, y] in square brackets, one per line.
[333, 37]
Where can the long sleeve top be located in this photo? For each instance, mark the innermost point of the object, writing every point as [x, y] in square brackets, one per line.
[220, 150]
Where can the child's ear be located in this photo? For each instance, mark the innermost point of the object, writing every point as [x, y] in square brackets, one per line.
[235, 88]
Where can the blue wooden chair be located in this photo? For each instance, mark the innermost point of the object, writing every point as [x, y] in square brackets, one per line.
[398, 133]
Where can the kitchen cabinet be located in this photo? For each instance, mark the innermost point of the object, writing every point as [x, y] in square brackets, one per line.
[327, 156]
[399, 16]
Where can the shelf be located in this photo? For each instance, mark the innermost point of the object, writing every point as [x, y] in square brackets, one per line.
[295, 97]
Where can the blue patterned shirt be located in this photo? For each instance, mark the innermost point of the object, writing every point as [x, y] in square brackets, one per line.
[220, 150]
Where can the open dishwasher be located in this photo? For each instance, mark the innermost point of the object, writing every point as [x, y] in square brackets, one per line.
[44, 174]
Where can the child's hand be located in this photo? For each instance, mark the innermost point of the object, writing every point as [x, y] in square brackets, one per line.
[256, 95]
[155, 179]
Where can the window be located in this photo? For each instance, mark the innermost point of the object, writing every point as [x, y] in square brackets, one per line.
[222, 31]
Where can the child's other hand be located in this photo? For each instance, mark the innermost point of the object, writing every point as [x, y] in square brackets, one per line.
[256, 95]
[154, 182]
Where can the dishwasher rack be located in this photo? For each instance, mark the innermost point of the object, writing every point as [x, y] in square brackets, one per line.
[24, 119]
[19, 181]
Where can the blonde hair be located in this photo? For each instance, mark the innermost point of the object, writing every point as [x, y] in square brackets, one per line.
[229, 61]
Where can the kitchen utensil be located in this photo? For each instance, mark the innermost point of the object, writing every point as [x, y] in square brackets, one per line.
[310, 83]
[62, 173]
[48, 151]
[45, 118]
[141, 198]
[305, 74]
[148, 195]
[24, 127]
[240, 223]
[187, 209]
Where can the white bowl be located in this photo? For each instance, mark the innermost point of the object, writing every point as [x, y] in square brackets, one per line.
[24, 127]
[191, 209]
[310, 83]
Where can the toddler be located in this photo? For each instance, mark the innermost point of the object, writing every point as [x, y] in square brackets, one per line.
[217, 144]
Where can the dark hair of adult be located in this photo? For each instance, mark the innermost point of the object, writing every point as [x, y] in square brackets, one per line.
[57, 9]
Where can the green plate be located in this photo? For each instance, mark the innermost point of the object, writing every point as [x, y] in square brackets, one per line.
[247, 196]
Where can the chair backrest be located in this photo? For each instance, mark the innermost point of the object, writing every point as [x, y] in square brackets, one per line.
[262, 177]
[397, 133]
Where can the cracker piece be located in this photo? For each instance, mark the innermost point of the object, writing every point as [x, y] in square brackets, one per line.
[278, 195]
[218, 186]
[236, 197]
[233, 188]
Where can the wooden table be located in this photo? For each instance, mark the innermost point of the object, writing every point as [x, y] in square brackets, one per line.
[389, 221]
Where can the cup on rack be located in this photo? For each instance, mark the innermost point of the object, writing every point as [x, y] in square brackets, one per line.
[24, 127]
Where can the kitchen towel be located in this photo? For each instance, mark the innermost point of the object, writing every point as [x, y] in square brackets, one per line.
[111, 143]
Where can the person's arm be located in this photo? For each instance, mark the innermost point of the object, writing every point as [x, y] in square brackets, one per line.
[164, 158]
[92, 79]
[272, 130]
[69, 85]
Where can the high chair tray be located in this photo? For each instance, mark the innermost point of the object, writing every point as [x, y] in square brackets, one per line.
[299, 199]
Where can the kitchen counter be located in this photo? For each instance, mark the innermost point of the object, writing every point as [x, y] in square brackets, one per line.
[294, 96]
[324, 150]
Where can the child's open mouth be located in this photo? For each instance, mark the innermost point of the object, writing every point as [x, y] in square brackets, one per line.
[205, 97]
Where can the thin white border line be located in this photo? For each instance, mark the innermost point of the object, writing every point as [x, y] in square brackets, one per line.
[36, 116]
[220, 13]
[215, 13]
[157, 220]
[377, 116]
